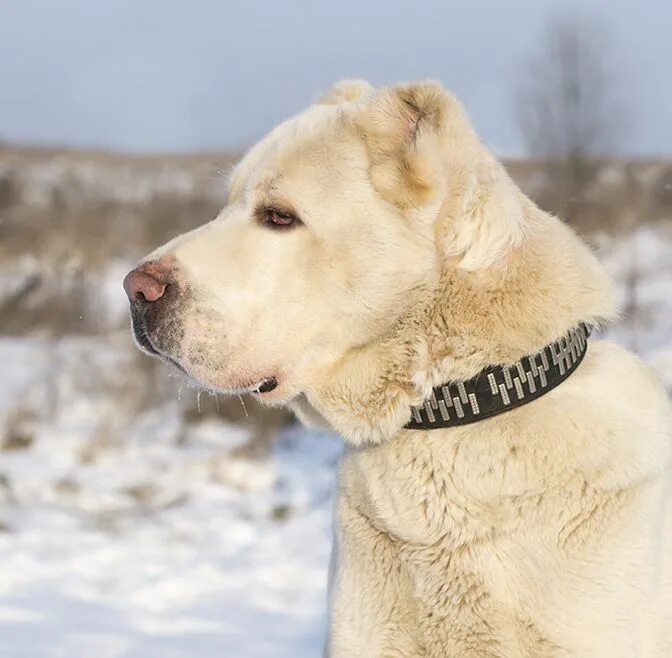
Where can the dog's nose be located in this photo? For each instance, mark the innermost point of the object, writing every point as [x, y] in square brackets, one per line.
[145, 283]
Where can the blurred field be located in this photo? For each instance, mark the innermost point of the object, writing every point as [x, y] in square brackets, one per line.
[136, 515]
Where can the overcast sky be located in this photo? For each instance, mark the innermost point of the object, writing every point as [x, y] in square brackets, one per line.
[162, 75]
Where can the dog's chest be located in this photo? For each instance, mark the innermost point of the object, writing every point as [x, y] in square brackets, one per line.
[427, 491]
[468, 598]
[454, 515]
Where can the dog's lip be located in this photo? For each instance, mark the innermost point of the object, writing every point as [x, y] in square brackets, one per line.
[145, 343]
[142, 339]
[164, 357]
[266, 385]
[260, 387]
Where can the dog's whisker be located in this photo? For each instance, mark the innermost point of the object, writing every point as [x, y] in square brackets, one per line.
[242, 402]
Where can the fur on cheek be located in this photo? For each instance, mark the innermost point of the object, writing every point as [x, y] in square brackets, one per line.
[376, 378]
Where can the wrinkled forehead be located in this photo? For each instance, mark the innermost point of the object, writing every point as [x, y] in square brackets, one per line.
[321, 143]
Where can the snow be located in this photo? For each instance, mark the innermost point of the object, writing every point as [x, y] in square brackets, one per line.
[148, 549]
[209, 574]
[126, 533]
[141, 553]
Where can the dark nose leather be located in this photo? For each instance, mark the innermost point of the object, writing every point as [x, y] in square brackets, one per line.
[145, 283]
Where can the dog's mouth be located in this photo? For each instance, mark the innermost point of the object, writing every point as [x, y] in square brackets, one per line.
[146, 345]
[141, 335]
[266, 385]
[142, 338]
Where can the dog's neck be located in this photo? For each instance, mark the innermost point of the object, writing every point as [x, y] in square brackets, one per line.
[473, 318]
[542, 288]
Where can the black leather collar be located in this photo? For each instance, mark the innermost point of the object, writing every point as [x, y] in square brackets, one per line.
[499, 388]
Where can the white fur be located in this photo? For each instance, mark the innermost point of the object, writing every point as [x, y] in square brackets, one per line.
[545, 531]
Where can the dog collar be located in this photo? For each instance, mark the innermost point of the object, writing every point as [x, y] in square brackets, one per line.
[497, 389]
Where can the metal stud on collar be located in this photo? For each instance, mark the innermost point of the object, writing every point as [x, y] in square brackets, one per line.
[500, 388]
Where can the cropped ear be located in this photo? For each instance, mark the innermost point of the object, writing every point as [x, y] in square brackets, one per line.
[406, 129]
[346, 91]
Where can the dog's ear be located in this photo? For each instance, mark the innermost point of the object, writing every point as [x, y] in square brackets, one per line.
[346, 91]
[406, 128]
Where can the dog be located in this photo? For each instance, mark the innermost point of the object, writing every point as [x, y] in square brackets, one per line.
[505, 491]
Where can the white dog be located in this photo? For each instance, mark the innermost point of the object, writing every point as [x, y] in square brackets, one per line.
[377, 270]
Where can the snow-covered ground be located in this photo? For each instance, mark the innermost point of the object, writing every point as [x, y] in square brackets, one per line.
[127, 533]
[207, 571]
[157, 543]
[142, 551]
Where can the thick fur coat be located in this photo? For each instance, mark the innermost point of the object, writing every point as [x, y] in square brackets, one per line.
[415, 260]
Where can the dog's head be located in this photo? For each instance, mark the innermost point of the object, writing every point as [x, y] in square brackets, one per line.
[327, 239]
[339, 223]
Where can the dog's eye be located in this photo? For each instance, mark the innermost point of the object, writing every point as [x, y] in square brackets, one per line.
[278, 218]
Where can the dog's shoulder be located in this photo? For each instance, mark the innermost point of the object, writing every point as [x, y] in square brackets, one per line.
[622, 402]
